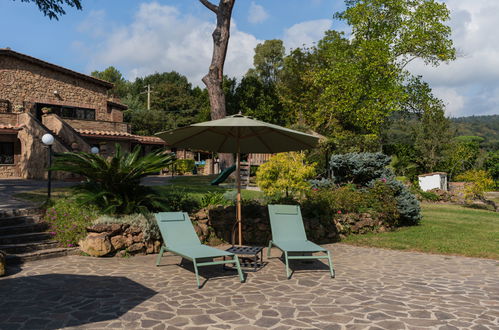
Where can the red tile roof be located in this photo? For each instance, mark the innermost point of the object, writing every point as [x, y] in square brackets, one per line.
[122, 135]
[104, 133]
[11, 127]
[149, 139]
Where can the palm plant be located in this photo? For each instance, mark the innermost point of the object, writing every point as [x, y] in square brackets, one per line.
[113, 184]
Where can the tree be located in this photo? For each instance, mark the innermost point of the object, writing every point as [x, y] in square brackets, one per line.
[285, 174]
[174, 103]
[491, 164]
[460, 156]
[214, 78]
[55, 8]
[354, 84]
[112, 75]
[268, 60]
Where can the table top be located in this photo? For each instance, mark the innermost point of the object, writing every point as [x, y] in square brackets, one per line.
[244, 249]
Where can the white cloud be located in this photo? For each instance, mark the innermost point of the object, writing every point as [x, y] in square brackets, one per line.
[257, 13]
[470, 84]
[306, 33]
[453, 100]
[160, 39]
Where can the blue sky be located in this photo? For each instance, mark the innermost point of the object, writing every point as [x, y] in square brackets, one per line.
[142, 37]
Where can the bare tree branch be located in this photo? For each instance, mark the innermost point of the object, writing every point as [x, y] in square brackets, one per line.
[210, 6]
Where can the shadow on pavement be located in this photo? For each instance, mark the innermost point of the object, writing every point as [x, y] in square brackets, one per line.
[55, 301]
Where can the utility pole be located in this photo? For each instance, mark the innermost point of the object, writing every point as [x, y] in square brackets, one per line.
[148, 91]
[148, 97]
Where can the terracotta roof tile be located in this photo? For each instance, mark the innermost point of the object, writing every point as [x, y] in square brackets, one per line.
[104, 133]
[138, 138]
[149, 139]
[12, 127]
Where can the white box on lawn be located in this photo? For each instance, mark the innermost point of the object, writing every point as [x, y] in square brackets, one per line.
[434, 180]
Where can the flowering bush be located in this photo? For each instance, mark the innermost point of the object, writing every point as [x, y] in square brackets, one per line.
[68, 220]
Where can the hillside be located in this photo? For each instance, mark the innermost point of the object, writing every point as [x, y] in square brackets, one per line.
[486, 127]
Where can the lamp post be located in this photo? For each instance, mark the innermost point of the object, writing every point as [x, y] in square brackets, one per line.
[48, 140]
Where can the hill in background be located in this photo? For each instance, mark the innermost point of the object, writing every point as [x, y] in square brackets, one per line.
[486, 127]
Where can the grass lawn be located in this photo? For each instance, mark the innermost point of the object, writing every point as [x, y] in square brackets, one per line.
[197, 186]
[445, 229]
[39, 196]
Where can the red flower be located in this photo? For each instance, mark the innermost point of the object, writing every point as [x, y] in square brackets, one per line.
[339, 211]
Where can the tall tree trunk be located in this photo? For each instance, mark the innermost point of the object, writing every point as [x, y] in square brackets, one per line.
[214, 78]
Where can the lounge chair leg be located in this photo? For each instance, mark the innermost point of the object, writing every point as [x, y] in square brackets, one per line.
[196, 271]
[239, 271]
[268, 250]
[331, 269]
[287, 266]
[158, 259]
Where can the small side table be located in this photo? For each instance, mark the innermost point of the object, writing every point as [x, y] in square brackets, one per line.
[245, 252]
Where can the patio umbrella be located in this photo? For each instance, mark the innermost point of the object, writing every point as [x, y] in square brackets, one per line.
[238, 134]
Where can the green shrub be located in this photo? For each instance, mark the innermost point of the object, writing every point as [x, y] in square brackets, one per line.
[146, 222]
[407, 204]
[382, 200]
[359, 168]
[213, 198]
[429, 196]
[68, 220]
[113, 183]
[365, 169]
[183, 166]
[285, 174]
[325, 203]
[179, 200]
[480, 182]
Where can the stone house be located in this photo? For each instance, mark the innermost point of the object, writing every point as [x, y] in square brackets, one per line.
[37, 97]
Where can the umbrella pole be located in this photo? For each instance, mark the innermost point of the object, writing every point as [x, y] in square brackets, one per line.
[238, 202]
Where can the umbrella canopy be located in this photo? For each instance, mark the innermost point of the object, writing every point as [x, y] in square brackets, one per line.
[238, 134]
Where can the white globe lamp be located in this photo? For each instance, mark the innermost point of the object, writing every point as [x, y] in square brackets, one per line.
[48, 139]
[94, 150]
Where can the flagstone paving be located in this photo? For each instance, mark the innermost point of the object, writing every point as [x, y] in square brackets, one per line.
[373, 289]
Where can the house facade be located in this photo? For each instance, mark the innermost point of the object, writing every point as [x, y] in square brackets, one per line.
[37, 97]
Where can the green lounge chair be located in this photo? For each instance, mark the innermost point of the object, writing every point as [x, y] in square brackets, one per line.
[288, 234]
[180, 238]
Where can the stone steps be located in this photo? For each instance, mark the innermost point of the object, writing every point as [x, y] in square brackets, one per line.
[40, 254]
[22, 229]
[28, 247]
[25, 238]
[13, 221]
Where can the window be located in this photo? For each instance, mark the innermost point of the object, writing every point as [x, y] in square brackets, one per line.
[4, 106]
[7, 153]
[69, 112]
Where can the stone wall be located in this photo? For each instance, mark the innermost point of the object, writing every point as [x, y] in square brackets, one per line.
[219, 223]
[8, 119]
[214, 226]
[24, 82]
[118, 239]
[65, 132]
[34, 156]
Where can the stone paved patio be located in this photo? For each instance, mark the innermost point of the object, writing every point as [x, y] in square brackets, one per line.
[373, 289]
